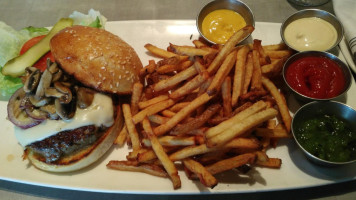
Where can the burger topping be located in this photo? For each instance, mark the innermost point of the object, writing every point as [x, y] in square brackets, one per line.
[100, 114]
[51, 102]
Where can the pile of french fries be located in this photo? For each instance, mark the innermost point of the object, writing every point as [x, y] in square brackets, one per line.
[209, 108]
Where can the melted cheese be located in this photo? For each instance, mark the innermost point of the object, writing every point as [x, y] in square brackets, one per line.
[100, 112]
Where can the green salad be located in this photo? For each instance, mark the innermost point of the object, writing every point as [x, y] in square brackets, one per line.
[11, 42]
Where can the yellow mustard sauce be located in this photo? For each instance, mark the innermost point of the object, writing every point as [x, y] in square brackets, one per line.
[219, 25]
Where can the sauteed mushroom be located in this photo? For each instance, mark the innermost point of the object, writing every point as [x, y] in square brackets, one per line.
[44, 83]
[51, 110]
[65, 111]
[38, 102]
[85, 97]
[32, 81]
[66, 92]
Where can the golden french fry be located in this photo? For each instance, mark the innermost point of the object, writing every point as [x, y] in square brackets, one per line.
[149, 156]
[221, 74]
[163, 128]
[226, 95]
[228, 47]
[168, 113]
[256, 107]
[174, 80]
[161, 154]
[135, 140]
[198, 132]
[243, 143]
[167, 69]
[196, 122]
[179, 106]
[239, 76]
[191, 51]
[272, 133]
[253, 95]
[134, 167]
[199, 44]
[241, 127]
[121, 138]
[275, 47]
[203, 148]
[256, 77]
[151, 67]
[264, 58]
[190, 86]
[199, 67]
[169, 140]
[147, 103]
[274, 68]
[278, 54]
[184, 65]
[191, 151]
[280, 100]
[153, 109]
[206, 178]
[135, 97]
[157, 119]
[248, 73]
[270, 163]
[261, 156]
[231, 163]
[271, 123]
[159, 52]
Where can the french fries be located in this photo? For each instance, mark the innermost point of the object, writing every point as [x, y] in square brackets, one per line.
[154, 170]
[135, 141]
[239, 75]
[280, 100]
[210, 108]
[161, 154]
[204, 175]
[229, 46]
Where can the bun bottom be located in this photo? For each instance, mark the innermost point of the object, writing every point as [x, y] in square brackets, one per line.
[84, 157]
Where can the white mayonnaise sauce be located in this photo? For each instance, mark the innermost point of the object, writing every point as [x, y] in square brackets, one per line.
[100, 112]
[310, 33]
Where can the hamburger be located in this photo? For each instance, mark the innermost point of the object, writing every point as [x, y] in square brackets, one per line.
[69, 115]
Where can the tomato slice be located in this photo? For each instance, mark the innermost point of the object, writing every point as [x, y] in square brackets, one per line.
[42, 62]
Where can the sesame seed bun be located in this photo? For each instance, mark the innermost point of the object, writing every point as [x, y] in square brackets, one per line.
[97, 58]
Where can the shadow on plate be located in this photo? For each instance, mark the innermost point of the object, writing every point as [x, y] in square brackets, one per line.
[340, 173]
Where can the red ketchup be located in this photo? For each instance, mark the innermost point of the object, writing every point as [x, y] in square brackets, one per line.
[316, 77]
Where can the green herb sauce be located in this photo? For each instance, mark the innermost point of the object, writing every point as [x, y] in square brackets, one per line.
[328, 137]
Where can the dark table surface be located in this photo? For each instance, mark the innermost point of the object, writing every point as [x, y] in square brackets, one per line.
[19, 14]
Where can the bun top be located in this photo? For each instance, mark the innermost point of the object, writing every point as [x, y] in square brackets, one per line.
[97, 58]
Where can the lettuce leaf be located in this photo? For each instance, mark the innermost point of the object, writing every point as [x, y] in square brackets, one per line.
[93, 19]
[34, 31]
[11, 42]
[8, 85]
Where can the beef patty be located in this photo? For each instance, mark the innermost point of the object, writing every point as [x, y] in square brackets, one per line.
[66, 142]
